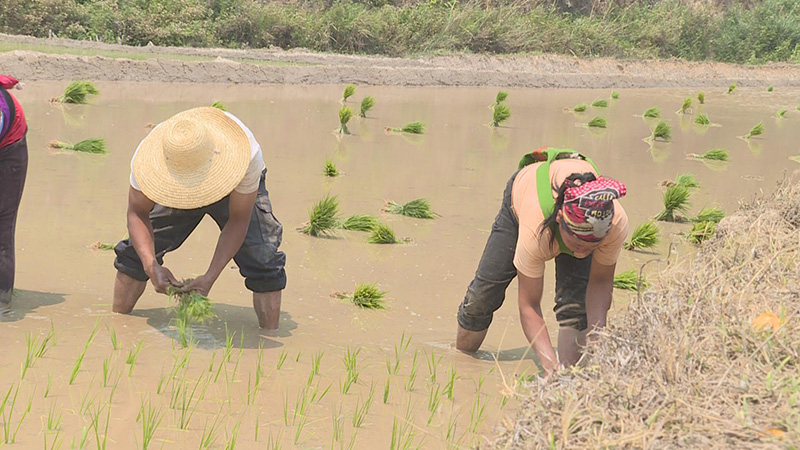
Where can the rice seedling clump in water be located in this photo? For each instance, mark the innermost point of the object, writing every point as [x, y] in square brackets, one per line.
[366, 104]
[770, 88]
[602, 103]
[614, 95]
[581, 107]
[757, 130]
[701, 97]
[500, 97]
[94, 145]
[702, 119]
[367, 296]
[645, 235]
[676, 200]
[191, 306]
[702, 231]
[419, 208]
[382, 234]
[652, 113]
[500, 114]
[715, 154]
[597, 122]
[710, 214]
[219, 106]
[687, 103]
[731, 88]
[349, 90]
[687, 180]
[781, 113]
[345, 114]
[360, 222]
[628, 280]
[322, 218]
[662, 131]
[77, 91]
[330, 169]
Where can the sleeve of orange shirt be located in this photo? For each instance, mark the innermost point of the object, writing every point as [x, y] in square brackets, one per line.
[528, 257]
[608, 251]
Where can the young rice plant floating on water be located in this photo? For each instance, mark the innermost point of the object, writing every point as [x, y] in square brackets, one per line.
[645, 235]
[500, 114]
[662, 131]
[602, 103]
[366, 296]
[94, 145]
[77, 91]
[676, 199]
[410, 128]
[581, 107]
[500, 97]
[615, 95]
[219, 106]
[349, 90]
[628, 280]
[731, 88]
[757, 130]
[322, 218]
[330, 169]
[710, 214]
[687, 103]
[701, 98]
[652, 113]
[781, 113]
[770, 88]
[360, 222]
[419, 208]
[366, 104]
[345, 114]
[715, 154]
[597, 122]
[702, 119]
[382, 234]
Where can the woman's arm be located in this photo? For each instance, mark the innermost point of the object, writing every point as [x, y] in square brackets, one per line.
[530, 314]
[599, 294]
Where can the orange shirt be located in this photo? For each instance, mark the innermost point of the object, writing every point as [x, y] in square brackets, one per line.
[533, 247]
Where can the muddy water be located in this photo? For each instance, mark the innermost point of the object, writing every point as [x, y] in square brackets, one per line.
[72, 201]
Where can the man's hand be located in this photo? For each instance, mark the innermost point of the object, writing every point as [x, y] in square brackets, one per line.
[162, 278]
[202, 285]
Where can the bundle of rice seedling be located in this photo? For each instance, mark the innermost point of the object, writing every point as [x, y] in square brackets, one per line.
[93, 145]
[770, 88]
[360, 222]
[710, 214]
[410, 128]
[366, 296]
[382, 234]
[191, 306]
[701, 231]
[103, 246]
[731, 88]
[366, 104]
[602, 103]
[322, 218]
[614, 95]
[676, 199]
[781, 113]
[500, 114]
[702, 119]
[597, 122]
[629, 280]
[715, 154]
[500, 97]
[581, 107]
[418, 208]
[219, 105]
[687, 180]
[662, 131]
[349, 90]
[345, 114]
[330, 169]
[757, 130]
[687, 103]
[77, 91]
[652, 113]
[645, 235]
[701, 97]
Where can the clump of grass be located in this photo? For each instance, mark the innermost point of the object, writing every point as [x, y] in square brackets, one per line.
[597, 122]
[500, 114]
[191, 306]
[702, 231]
[701, 97]
[687, 103]
[322, 218]
[687, 180]
[410, 128]
[781, 113]
[94, 145]
[330, 169]
[382, 234]
[770, 88]
[652, 113]
[757, 130]
[601, 103]
[219, 106]
[360, 222]
[77, 92]
[676, 199]
[366, 104]
[366, 296]
[702, 119]
[418, 208]
[500, 97]
[731, 88]
[615, 95]
[581, 107]
[645, 235]
[629, 280]
[345, 114]
[662, 131]
[349, 90]
[709, 214]
[715, 154]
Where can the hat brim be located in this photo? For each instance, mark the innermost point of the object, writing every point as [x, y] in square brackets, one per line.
[207, 185]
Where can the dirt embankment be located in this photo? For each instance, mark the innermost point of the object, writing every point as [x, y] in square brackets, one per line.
[195, 65]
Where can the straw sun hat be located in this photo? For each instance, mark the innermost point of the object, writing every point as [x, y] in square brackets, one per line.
[193, 159]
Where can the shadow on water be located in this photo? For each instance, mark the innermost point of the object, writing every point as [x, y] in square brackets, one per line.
[236, 321]
[25, 302]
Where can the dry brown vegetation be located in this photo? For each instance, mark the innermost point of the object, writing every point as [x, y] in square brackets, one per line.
[707, 358]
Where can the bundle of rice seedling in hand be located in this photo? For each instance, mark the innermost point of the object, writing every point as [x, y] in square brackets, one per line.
[419, 208]
[345, 114]
[322, 218]
[77, 91]
[330, 169]
[500, 114]
[614, 95]
[602, 103]
[366, 296]
[715, 154]
[360, 222]
[645, 235]
[676, 199]
[757, 130]
[701, 231]
[581, 107]
[731, 88]
[597, 122]
[687, 103]
[702, 119]
[629, 280]
[652, 113]
[219, 106]
[93, 145]
[709, 214]
[781, 113]
[366, 104]
[382, 234]
[191, 306]
[701, 97]
[349, 90]
[662, 131]
[410, 128]
[687, 180]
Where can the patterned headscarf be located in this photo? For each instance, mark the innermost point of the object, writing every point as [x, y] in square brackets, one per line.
[589, 208]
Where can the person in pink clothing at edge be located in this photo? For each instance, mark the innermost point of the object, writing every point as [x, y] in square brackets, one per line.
[13, 168]
[555, 207]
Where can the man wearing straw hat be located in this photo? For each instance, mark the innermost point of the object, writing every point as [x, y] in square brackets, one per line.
[197, 162]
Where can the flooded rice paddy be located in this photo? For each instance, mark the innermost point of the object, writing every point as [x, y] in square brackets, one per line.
[239, 385]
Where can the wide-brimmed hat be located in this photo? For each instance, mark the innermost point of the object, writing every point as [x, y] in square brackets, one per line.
[192, 159]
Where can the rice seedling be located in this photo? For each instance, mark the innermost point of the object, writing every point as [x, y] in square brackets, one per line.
[103, 246]
[477, 413]
[8, 437]
[345, 114]
[687, 104]
[433, 365]
[701, 98]
[580, 107]
[386, 388]
[399, 351]
[281, 359]
[53, 418]
[133, 356]
[234, 436]
[662, 131]
[615, 95]
[652, 113]
[366, 296]
[687, 180]
[95, 146]
[322, 218]
[382, 234]
[107, 370]
[410, 128]
[403, 435]
[330, 169]
[676, 199]
[434, 399]
[709, 214]
[112, 333]
[597, 122]
[338, 424]
[79, 360]
[182, 400]
[715, 154]
[412, 376]
[770, 88]
[500, 114]
[781, 113]
[77, 92]
[500, 97]
[629, 281]
[702, 119]
[316, 360]
[349, 90]
[95, 424]
[757, 130]
[48, 385]
[731, 88]
[351, 366]
[601, 103]
[702, 231]
[366, 104]
[646, 235]
[361, 411]
[210, 435]
[219, 106]
[419, 208]
[360, 222]
[449, 388]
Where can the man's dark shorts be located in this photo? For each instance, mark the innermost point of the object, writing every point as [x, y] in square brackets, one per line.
[487, 291]
[259, 260]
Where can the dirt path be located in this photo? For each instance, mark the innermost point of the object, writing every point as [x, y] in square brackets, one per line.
[61, 59]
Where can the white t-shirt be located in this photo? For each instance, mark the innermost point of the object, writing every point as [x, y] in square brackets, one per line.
[249, 183]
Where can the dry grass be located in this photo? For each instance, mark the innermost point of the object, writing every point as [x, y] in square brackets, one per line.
[707, 358]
